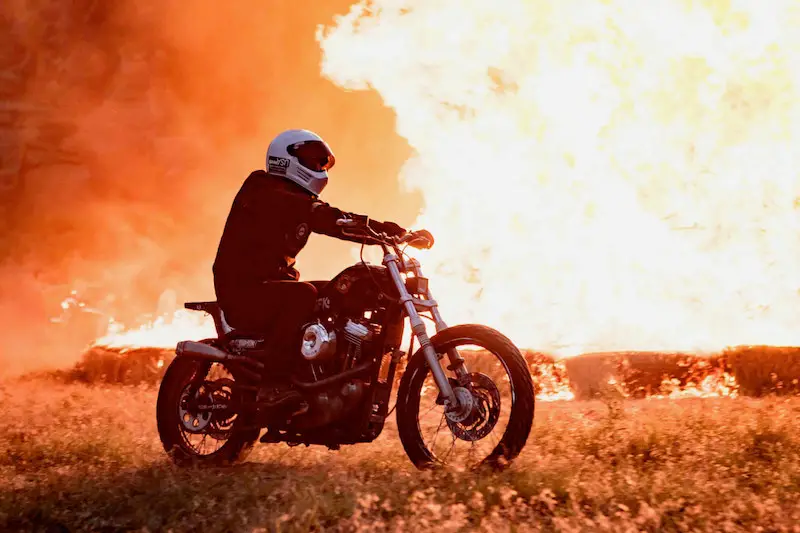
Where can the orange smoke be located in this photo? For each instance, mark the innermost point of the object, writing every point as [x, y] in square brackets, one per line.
[132, 126]
[599, 175]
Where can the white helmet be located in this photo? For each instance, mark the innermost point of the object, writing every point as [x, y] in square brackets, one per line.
[302, 157]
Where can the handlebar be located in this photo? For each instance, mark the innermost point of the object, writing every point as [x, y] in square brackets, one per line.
[370, 234]
[347, 222]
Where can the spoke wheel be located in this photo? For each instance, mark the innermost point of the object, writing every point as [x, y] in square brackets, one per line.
[497, 398]
[206, 411]
[197, 414]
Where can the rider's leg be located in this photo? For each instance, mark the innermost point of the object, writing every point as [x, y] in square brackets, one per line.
[275, 309]
[279, 309]
[292, 305]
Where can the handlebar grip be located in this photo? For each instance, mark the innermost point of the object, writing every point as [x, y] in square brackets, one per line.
[347, 222]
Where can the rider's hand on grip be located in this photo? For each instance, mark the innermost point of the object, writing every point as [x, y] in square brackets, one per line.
[421, 239]
[390, 228]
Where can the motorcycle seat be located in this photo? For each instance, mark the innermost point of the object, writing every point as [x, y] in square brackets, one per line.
[213, 309]
[240, 334]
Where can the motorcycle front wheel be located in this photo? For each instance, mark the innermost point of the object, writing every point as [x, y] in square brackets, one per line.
[499, 391]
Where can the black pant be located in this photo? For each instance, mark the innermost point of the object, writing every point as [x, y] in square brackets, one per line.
[277, 309]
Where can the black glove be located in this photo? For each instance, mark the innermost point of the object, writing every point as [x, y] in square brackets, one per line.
[391, 229]
[421, 239]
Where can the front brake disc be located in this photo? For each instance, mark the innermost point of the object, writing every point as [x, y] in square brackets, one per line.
[485, 412]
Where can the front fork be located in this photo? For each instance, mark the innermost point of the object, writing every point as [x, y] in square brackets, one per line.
[392, 262]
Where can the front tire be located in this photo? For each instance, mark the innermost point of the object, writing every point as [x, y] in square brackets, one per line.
[170, 408]
[518, 421]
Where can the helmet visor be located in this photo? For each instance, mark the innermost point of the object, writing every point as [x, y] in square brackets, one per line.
[314, 155]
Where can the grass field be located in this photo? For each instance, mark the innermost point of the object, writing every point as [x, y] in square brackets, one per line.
[75, 457]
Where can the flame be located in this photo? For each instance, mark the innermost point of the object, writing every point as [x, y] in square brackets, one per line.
[561, 394]
[163, 332]
[712, 386]
[550, 378]
[717, 385]
[703, 381]
[599, 176]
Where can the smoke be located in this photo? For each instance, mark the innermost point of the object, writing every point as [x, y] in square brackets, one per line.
[127, 129]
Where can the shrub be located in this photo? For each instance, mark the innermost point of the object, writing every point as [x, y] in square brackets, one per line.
[763, 370]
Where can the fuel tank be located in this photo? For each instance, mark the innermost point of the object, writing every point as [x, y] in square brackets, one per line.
[359, 287]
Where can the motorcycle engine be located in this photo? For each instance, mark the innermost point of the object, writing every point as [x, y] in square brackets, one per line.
[319, 344]
[355, 334]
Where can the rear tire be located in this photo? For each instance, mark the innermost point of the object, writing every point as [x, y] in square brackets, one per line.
[180, 373]
[520, 419]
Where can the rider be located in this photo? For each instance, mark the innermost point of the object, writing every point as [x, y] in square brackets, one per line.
[270, 222]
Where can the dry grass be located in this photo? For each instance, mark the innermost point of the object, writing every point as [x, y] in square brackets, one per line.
[113, 366]
[765, 369]
[76, 457]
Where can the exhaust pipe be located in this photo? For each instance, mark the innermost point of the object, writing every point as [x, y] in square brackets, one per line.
[198, 350]
[342, 376]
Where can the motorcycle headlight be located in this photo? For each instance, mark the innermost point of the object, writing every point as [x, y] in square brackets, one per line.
[417, 285]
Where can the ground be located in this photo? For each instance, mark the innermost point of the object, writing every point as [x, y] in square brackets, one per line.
[75, 457]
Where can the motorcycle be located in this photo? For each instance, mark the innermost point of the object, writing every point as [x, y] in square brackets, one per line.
[468, 381]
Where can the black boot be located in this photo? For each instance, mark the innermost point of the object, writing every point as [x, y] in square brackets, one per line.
[271, 395]
[279, 402]
[276, 397]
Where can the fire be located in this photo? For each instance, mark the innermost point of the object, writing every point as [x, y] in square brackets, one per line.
[717, 386]
[163, 332]
[600, 176]
[551, 378]
[720, 384]
[551, 391]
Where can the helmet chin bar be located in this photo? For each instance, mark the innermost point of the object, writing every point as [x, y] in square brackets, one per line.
[313, 182]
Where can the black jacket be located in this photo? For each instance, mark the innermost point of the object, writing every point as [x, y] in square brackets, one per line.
[269, 223]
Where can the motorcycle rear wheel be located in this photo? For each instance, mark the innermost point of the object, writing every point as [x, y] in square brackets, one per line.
[498, 364]
[171, 416]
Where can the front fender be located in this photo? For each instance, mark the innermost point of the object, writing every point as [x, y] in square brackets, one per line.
[461, 333]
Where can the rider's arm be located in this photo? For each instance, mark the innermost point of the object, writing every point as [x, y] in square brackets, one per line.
[324, 217]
